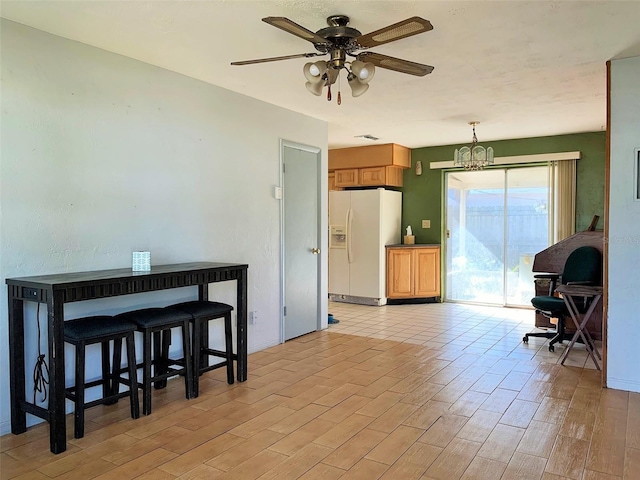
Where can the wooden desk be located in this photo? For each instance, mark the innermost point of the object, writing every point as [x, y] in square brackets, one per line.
[552, 259]
[56, 290]
[570, 293]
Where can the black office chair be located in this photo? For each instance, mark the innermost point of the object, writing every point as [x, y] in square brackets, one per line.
[583, 267]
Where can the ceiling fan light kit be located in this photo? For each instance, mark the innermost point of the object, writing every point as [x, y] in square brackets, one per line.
[357, 86]
[364, 71]
[338, 40]
[315, 73]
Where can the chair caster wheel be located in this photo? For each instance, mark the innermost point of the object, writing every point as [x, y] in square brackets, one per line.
[551, 349]
[525, 339]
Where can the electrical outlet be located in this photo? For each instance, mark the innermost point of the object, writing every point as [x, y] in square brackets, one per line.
[426, 223]
[253, 318]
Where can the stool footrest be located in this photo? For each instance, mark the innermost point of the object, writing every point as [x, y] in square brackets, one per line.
[101, 401]
[171, 372]
[94, 383]
[208, 368]
[162, 362]
[215, 353]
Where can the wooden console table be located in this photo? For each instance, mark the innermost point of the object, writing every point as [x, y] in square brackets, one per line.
[56, 290]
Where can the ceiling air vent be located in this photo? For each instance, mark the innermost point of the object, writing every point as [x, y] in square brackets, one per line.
[368, 136]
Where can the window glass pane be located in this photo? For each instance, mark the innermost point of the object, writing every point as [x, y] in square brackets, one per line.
[475, 247]
[527, 231]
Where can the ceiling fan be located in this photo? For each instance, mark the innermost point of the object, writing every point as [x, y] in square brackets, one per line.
[339, 41]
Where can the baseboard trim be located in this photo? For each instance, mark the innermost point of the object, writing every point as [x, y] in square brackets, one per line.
[256, 347]
[620, 384]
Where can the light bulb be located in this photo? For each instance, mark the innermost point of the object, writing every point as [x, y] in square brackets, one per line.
[314, 70]
[364, 71]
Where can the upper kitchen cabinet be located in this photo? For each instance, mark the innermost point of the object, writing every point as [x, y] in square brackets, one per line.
[374, 165]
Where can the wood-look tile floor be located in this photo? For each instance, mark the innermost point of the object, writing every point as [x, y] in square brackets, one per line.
[470, 328]
[330, 405]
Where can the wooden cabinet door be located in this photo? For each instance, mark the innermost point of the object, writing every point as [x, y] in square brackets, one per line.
[391, 176]
[346, 178]
[332, 182]
[399, 276]
[372, 176]
[426, 268]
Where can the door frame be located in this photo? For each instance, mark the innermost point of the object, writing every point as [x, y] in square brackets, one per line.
[321, 320]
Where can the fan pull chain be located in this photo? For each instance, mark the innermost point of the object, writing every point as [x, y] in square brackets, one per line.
[339, 96]
[329, 93]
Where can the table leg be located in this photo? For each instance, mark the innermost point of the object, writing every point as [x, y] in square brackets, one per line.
[57, 426]
[16, 363]
[242, 327]
[203, 296]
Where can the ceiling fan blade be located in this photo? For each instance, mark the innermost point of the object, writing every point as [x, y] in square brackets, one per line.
[406, 28]
[293, 28]
[397, 64]
[275, 59]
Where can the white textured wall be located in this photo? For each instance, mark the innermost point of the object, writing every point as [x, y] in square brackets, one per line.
[624, 230]
[102, 155]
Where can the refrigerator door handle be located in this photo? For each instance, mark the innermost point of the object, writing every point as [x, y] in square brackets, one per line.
[349, 220]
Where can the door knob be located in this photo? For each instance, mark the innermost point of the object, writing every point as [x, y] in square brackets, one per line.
[315, 251]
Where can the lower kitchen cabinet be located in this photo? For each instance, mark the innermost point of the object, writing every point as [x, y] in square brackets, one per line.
[413, 271]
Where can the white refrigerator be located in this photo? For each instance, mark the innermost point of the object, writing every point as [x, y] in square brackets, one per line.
[361, 223]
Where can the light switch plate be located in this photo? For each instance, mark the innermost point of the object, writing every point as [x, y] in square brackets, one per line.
[426, 223]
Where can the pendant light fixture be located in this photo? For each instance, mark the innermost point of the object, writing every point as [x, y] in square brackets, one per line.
[474, 157]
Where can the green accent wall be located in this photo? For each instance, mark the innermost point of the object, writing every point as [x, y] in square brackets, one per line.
[422, 195]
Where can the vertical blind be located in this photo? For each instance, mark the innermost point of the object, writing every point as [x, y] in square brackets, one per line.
[562, 192]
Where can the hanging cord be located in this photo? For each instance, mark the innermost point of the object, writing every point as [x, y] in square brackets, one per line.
[41, 370]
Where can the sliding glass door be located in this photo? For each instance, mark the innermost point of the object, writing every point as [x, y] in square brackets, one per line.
[496, 221]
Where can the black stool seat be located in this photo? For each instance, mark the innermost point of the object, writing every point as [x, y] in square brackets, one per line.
[202, 312]
[155, 317]
[200, 308]
[102, 329]
[89, 328]
[156, 324]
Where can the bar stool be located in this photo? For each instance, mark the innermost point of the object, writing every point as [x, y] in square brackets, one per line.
[158, 322]
[202, 312]
[102, 329]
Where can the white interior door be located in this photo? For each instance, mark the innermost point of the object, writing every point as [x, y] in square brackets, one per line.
[301, 240]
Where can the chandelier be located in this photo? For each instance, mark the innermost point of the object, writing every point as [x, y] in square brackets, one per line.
[321, 74]
[474, 157]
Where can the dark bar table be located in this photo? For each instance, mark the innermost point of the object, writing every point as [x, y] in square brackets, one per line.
[58, 289]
